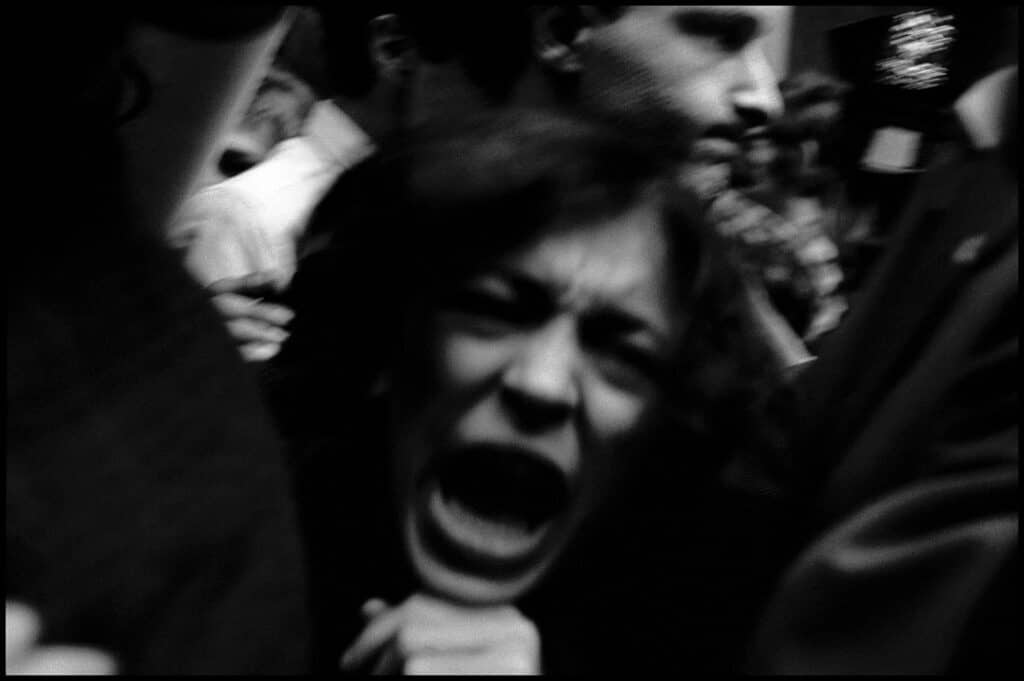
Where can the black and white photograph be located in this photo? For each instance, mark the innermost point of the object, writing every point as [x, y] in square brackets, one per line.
[361, 339]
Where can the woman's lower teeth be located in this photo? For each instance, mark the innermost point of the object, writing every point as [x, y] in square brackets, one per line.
[496, 536]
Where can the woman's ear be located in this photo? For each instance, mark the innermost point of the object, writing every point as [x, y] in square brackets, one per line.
[391, 49]
[559, 31]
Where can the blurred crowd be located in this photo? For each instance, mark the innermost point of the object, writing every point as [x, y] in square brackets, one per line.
[547, 339]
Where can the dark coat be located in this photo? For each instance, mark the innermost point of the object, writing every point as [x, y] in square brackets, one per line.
[905, 480]
[149, 511]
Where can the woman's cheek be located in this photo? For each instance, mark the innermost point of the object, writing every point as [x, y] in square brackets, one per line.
[613, 413]
[466, 360]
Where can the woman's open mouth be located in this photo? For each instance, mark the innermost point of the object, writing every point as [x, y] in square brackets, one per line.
[487, 509]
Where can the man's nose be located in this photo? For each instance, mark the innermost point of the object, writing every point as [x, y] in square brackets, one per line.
[539, 385]
[757, 98]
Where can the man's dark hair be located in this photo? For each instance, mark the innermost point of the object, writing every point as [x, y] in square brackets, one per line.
[303, 52]
[350, 69]
[492, 43]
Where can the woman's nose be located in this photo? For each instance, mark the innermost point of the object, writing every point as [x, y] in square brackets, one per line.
[539, 384]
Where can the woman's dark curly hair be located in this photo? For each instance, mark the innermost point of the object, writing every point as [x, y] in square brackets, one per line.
[413, 220]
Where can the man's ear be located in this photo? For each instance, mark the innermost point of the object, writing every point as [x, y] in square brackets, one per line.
[559, 31]
[391, 49]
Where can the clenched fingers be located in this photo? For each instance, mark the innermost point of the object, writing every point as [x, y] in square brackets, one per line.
[383, 626]
[64, 661]
[490, 662]
[254, 285]
[492, 639]
[247, 330]
[259, 352]
[234, 306]
[21, 629]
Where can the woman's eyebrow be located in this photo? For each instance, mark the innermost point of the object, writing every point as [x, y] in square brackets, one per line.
[606, 313]
[517, 279]
[524, 286]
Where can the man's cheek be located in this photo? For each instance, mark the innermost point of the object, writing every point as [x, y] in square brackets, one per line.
[703, 103]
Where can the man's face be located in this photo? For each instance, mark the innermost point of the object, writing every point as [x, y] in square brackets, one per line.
[540, 369]
[682, 72]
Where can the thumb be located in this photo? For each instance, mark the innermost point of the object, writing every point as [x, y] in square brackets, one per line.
[373, 607]
[21, 629]
[275, 278]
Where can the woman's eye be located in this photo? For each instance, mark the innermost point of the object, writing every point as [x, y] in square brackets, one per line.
[491, 307]
[627, 363]
[641, 360]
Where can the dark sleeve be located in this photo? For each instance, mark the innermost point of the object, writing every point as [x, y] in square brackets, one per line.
[148, 509]
[915, 578]
[892, 588]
